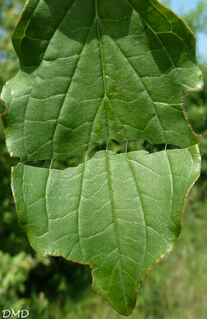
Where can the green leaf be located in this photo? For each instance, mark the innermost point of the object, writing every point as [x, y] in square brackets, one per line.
[97, 70]
[118, 213]
[91, 72]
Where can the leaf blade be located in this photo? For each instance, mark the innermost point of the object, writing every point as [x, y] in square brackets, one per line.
[76, 98]
[125, 218]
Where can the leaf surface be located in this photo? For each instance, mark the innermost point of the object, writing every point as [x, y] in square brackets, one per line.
[97, 70]
[118, 213]
[91, 72]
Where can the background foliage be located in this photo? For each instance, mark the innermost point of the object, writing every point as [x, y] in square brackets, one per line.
[54, 288]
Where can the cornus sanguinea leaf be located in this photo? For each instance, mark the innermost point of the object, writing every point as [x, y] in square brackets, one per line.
[93, 71]
[96, 70]
[118, 213]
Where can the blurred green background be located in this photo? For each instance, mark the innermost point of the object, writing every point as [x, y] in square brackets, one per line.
[54, 288]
